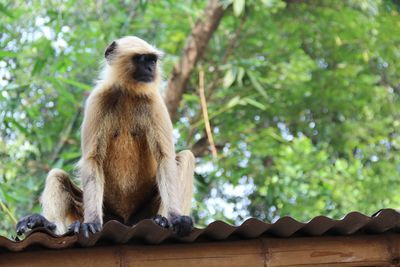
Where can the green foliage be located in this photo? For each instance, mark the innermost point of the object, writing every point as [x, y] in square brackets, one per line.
[304, 100]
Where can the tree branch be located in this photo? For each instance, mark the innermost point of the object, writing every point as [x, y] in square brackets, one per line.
[63, 138]
[217, 74]
[193, 51]
[205, 114]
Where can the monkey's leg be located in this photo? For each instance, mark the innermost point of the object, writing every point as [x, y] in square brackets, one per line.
[61, 203]
[61, 200]
[185, 161]
[93, 192]
[183, 225]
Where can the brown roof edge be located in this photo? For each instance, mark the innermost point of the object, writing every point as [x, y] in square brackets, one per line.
[354, 250]
[149, 233]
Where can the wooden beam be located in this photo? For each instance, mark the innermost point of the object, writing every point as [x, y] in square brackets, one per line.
[367, 250]
[370, 250]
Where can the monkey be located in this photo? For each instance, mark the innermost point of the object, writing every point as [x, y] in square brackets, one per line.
[129, 169]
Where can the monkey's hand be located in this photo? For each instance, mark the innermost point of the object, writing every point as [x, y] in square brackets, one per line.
[77, 227]
[161, 221]
[33, 221]
[182, 225]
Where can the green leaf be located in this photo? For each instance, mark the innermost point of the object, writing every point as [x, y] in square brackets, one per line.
[5, 11]
[76, 84]
[240, 75]
[17, 125]
[230, 105]
[7, 54]
[38, 66]
[238, 7]
[62, 90]
[71, 155]
[233, 102]
[255, 103]
[190, 98]
[229, 77]
[257, 85]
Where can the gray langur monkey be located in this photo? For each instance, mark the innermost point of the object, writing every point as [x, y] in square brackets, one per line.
[129, 169]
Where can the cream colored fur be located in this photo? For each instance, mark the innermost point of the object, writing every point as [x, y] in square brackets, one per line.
[127, 150]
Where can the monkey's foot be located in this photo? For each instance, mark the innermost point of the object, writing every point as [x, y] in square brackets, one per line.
[161, 221]
[182, 225]
[33, 221]
[78, 227]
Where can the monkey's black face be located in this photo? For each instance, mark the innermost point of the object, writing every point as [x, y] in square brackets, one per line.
[145, 67]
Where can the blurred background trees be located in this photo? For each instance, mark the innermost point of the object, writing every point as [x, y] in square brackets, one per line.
[303, 100]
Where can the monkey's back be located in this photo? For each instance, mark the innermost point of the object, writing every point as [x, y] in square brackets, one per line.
[129, 166]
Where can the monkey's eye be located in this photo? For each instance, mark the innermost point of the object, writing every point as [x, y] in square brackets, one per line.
[145, 58]
[151, 58]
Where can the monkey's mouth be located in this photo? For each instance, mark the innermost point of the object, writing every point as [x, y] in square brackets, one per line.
[144, 78]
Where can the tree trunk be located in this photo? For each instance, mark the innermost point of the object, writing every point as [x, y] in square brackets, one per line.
[194, 49]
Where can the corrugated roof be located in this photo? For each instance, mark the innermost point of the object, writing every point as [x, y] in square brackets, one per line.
[149, 233]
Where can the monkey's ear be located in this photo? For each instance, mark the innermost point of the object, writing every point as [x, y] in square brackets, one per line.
[110, 49]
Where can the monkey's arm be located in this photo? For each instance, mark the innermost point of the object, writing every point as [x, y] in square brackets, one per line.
[162, 146]
[93, 142]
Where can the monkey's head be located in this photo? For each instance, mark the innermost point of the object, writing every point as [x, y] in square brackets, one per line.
[132, 60]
